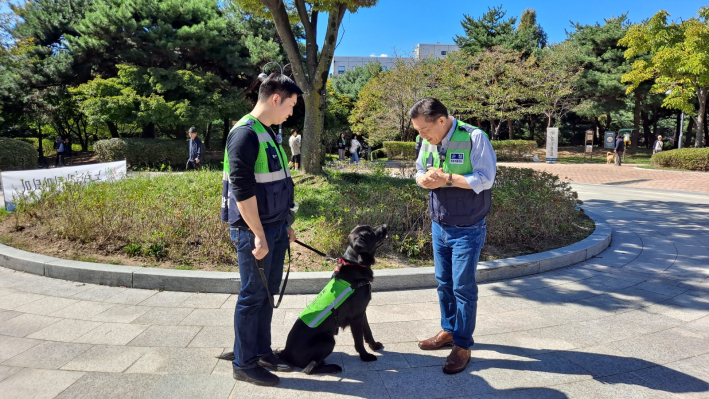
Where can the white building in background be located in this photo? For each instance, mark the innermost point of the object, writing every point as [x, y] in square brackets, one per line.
[340, 64]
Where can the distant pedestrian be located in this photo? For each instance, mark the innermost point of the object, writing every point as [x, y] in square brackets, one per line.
[195, 160]
[341, 146]
[619, 149]
[67, 154]
[657, 147]
[57, 143]
[294, 143]
[354, 149]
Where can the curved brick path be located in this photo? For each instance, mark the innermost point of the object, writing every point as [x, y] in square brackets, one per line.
[632, 322]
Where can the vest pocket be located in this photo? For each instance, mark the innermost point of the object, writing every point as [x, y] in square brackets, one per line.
[274, 163]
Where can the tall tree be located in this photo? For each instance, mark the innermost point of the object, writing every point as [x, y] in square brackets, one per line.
[679, 62]
[490, 30]
[529, 35]
[310, 66]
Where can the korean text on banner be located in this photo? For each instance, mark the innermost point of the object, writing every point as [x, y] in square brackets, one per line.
[26, 182]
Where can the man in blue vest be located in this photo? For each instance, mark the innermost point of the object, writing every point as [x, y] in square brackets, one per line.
[457, 163]
[257, 195]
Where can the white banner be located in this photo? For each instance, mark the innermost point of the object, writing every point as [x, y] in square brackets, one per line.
[552, 144]
[24, 182]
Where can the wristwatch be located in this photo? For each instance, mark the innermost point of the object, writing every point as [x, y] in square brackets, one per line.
[449, 182]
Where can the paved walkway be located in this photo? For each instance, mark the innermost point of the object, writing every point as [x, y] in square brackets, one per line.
[632, 322]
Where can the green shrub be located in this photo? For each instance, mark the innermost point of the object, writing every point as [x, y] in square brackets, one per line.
[513, 149]
[17, 155]
[143, 152]
[400, 149]
[685, 158]
[47, 145]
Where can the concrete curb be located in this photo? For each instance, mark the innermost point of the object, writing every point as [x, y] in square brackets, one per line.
[301, 282]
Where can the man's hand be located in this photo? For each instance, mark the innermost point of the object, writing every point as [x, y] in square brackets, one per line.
[434, 178]
[291, 234]
[260, 247]
[196, 160]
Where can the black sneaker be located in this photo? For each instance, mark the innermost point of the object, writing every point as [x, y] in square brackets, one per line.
[257, 376]
[274, 363]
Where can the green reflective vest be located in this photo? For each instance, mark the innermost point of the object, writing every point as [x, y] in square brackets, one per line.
[331, 297]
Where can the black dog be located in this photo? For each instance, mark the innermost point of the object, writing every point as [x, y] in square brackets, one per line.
[308, 347]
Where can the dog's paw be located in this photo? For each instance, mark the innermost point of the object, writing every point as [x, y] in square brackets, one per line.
[376, 346]
[367, 357]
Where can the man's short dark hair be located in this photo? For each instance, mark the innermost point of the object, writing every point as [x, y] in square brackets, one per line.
[293, 131]
[277, 83]
[431, 109]
[193, 130]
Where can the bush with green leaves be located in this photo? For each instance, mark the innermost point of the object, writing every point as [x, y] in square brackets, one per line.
[17, 155]
[400, 149]
[685, 158]
[513, 150]
[143, 152]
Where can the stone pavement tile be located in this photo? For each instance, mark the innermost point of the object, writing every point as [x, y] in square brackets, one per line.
[683, 307]
[624, 386]
[7, 291]
[642, 322]
[414, 356]
[46, 305]
[432, 310]
[25, 324]
[562, 313]
[110, 386]
[121, 314]
[6, 371]
[8, 314]
[387, 359]
[399, 297]
[176, 336]
[536, 371]
[424, 382]
[177, 361]
[166, 299]
[670, 380]
[697, 366]
[510, 321]
[664, 346]
[14, 301]
[53, 287]
[661, 288]
[112, 334]
[402, 331]
[12, 346]
[511, 302]
[104, 358]
[213, 337]
[209, 317]
[204, 301]
[37, 383]
[525, 393]
[284, 317]
[610, 283]
[192, 387]
[346, 385]
[163, 315]
[561, 294]
[48, 355]
[698, 326]
[66, 330]
[393, 313]
[131, 296]
[83, 310]
[97, 293]
[530, 342]
[230, 303]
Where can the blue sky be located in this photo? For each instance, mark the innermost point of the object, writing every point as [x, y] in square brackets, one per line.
[400, 25]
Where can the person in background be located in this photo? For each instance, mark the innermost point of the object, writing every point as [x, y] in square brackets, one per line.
[619, 149]
[341, 146]
[354, 149]
[58, 142]
[195, 153]
[67, 150]
[294, 143]
[657, 146]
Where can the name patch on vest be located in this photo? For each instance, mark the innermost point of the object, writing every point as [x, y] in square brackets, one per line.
[457, 158]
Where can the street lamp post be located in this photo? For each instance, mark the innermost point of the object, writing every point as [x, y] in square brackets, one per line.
[681, 124]
[263, 75]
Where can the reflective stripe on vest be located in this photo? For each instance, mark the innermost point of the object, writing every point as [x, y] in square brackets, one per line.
[331, 297]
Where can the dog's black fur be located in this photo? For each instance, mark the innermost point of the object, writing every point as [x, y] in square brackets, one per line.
[308, 347]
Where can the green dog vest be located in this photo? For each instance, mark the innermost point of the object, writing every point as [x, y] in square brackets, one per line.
[331, 297]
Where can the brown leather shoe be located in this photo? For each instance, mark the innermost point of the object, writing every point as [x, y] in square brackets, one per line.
[437, 342]
[457, 361]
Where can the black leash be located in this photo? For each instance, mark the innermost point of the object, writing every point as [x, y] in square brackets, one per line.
[324, 255]
[259, 266]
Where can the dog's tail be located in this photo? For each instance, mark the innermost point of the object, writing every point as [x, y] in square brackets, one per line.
[226, 356]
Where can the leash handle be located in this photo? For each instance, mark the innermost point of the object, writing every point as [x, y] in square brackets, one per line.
[259, 266]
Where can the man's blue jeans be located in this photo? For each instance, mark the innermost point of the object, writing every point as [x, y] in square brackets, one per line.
[456, 250]
[253, 313]
[355, 157]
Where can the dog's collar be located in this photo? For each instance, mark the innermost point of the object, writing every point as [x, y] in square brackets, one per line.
[343, 262]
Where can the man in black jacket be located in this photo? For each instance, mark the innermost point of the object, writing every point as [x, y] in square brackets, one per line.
[619, 149]
[195, 160]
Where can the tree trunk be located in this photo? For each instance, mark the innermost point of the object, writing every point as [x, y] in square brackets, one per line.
[312, 132]
[148, 131]
[688, 136]
[530, 122]
[113, 129]
[39, 141]
[608, 122]
[509, 128]
[678, 128]
[207, 135]
[702, 97]
[493, 129]
[646, 126]
[225, 132]
[636, 121]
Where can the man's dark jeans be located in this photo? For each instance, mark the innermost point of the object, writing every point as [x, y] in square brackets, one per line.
[253, 313]
[192, 165]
